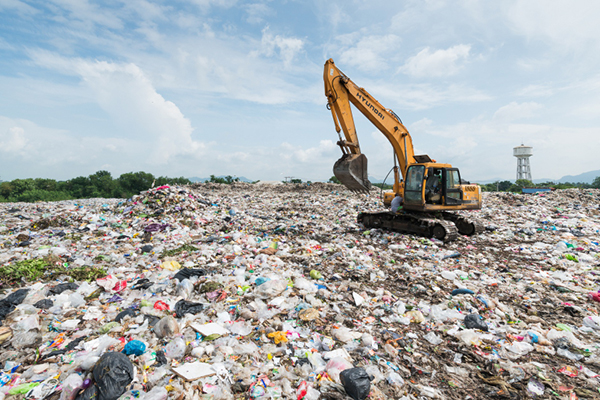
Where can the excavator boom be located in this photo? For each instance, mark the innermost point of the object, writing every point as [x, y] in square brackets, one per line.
[351, 169]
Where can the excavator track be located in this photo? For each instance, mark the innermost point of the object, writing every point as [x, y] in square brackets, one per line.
[419, 224]
[465, 225]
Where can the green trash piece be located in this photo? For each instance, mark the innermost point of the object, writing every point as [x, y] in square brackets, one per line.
[24, 388]
[564, 327]
[571, 257]
[316, 274]
[107, 327]
[146, 303]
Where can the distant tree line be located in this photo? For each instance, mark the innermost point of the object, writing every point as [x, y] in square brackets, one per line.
[100, 184]
[225, 179]
[517, 186]
[508, 186]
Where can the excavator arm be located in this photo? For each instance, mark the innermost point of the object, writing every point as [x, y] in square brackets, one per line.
[351, 169]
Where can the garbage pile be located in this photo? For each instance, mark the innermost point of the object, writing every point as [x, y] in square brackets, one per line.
[242, 291]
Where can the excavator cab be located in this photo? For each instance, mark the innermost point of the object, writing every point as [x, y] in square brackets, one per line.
[434, 187]
[351, 170]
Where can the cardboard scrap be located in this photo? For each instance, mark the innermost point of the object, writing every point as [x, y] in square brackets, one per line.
[193, 371]
[209, 329]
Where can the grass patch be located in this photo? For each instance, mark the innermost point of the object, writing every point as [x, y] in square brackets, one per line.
[179, 250]
[31, 270]
[86, 273]
[46, 269]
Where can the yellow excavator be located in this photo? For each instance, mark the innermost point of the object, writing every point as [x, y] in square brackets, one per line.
[431, 190]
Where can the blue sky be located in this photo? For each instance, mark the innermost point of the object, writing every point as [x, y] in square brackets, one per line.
[200, 87]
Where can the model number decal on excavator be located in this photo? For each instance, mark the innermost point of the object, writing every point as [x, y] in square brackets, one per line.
[369, 105]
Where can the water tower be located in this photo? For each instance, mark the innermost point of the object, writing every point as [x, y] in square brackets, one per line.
[523, 153]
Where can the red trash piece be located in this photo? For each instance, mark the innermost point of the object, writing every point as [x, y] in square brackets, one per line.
[161, 305]
[302, 390]
[120, 286]
[594, 296]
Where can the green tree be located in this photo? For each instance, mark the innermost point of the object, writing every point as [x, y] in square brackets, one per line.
[20, 186]
[45, 184]
[596, 183]
[132, 183]
[227, 179]
[80, 187]
[103, 183]
[334, 179]
[520, 184]
[504, 185]
[165, 180]
[6, 189]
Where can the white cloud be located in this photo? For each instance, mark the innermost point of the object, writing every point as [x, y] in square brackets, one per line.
[28, 148]
[128, 96]
[569, 26]
[258, 12]
[84, 11]
[535, 91]
[286, 47]
[514, 111]
[438, 63]
[424, 96]
[370, 53]
[13, 140]
[17, 5]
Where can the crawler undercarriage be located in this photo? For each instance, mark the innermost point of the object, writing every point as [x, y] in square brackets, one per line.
[444, 226]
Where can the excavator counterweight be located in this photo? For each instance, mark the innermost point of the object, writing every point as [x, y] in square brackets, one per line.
[351, 170]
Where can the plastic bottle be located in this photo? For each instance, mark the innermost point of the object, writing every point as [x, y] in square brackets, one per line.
[449, 275]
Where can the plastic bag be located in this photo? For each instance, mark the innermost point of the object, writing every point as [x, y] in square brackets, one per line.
[335, 366]
[357, 383]
[271, 288]
[9, 303]
[71, 386]
[433, 338]
[184, 288]
[473, 321]
[469, 336]
[44, 304]
[593, 321]
[61, 287]
[187, 273]
[520, 348]
[135, 347]
[183, 307]
[125, 313]
[175, 349]
[166, 327]
[157, 393]
[112, 373]
[161, 305]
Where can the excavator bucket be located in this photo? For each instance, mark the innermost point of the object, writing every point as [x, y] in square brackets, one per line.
[351, 170]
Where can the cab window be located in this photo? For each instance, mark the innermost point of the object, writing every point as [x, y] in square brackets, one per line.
[414, 184]
[452, 179]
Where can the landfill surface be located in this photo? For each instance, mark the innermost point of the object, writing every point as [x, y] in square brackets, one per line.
[256, 291]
